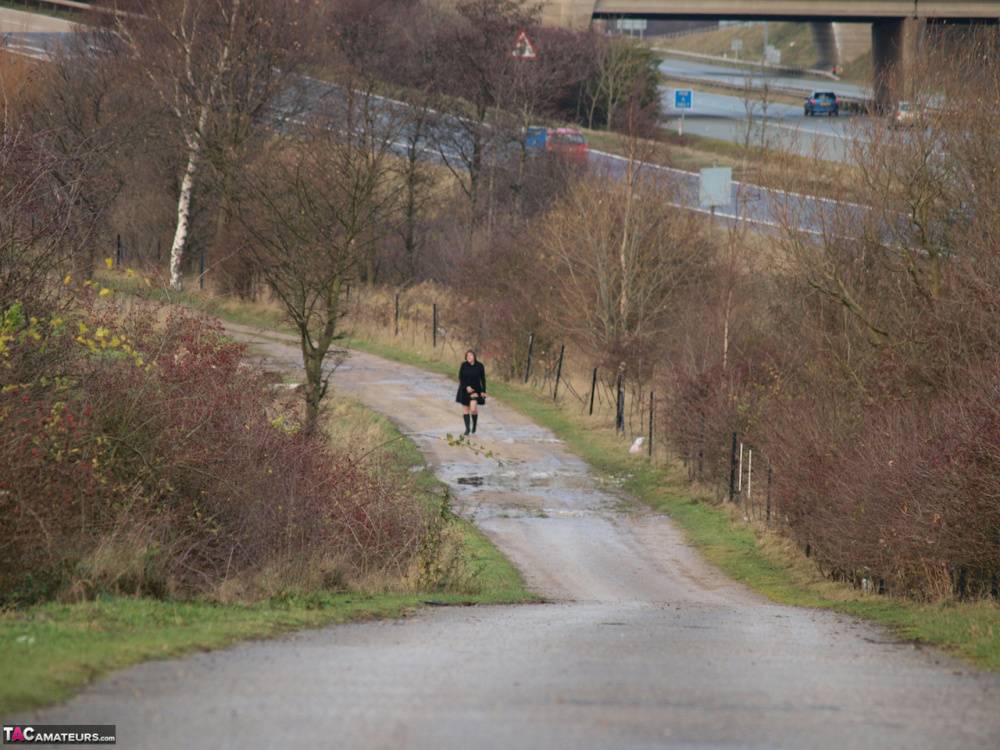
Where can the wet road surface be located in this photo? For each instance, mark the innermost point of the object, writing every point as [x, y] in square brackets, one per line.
[642, 645]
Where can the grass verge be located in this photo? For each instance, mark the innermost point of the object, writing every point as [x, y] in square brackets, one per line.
[52, 650]
[772, 168]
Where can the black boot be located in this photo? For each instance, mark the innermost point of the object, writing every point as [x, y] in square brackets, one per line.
[475, 418]
[465, 417]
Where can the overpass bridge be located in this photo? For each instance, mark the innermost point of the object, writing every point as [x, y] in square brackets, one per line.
[895, 23]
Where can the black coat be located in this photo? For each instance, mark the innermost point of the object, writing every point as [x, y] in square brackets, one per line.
[474, 377]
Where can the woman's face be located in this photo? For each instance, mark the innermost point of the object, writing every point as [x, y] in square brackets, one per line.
[470, 358]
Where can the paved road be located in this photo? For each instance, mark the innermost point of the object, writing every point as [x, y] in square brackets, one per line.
[642, 646]
[725, 116]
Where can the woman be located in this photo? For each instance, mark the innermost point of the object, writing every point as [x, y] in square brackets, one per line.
[471, 389]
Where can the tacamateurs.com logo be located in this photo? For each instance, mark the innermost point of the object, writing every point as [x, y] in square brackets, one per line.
[53, 734]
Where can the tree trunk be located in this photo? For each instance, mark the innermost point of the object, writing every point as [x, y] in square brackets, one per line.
[184, 203]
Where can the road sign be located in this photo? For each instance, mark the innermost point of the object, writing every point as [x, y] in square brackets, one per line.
[683, 100]
[523, 48]
[736, 44]
[772, 55]
[631, 24]
[715, 187]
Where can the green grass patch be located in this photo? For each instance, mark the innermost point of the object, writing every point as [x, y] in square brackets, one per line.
[50, 651]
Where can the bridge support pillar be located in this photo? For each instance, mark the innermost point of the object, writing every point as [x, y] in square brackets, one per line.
[894, 46]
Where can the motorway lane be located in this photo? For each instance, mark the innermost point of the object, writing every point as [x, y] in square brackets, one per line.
[784, 126]
[732, 75]
[642, 645]
[726, 116]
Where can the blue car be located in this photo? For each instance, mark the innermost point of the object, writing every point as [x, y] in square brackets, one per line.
[822, 103]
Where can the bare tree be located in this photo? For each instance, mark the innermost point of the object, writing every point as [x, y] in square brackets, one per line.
[313, 209]
[620, 253]
[624, 75]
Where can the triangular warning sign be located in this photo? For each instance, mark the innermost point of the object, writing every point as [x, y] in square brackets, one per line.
[523, 48]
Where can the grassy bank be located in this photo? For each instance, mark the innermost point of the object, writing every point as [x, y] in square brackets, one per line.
[50, 651]
[771, 168]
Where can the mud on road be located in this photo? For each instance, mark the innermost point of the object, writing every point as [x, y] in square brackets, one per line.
[641, 644]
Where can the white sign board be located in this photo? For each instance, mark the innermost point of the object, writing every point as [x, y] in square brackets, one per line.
[736, 45]
[715, 187]
[631, 24]
[772, 55]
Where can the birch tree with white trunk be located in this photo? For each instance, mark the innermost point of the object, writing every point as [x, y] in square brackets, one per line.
[214, 66]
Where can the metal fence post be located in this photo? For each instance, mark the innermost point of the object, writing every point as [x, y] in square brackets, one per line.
[732, 471]
[651, 408]
[434, 325]
[593, 388]
[739, 473]
[397, 315]
[118, 250]
[620, 415]
[555, 390]
[527, 366]
[701, 451]
[767, 509]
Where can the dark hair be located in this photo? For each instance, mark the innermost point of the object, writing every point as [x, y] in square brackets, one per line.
[474, 357]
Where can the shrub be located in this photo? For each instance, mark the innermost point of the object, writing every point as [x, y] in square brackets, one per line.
[146, 456]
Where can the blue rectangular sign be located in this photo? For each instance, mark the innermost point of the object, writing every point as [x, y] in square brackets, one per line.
[683, 98]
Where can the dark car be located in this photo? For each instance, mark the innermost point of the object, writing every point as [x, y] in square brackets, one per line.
[822, 103]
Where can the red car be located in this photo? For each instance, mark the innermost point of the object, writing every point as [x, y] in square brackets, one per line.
[568, 141]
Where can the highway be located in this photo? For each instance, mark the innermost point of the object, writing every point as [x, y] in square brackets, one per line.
[726, 116]
[716, 115]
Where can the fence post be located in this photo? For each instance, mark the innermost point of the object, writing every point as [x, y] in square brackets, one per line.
[750, 480]
[739, 474]
[201, 269]
[767, 511]
[701, 451]
[397, 315]
[651, 408]
[620, 415]
[434, 325]
[555, 390]
[527, 366]
[732, 471]
[118, 250]
[593, 388]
